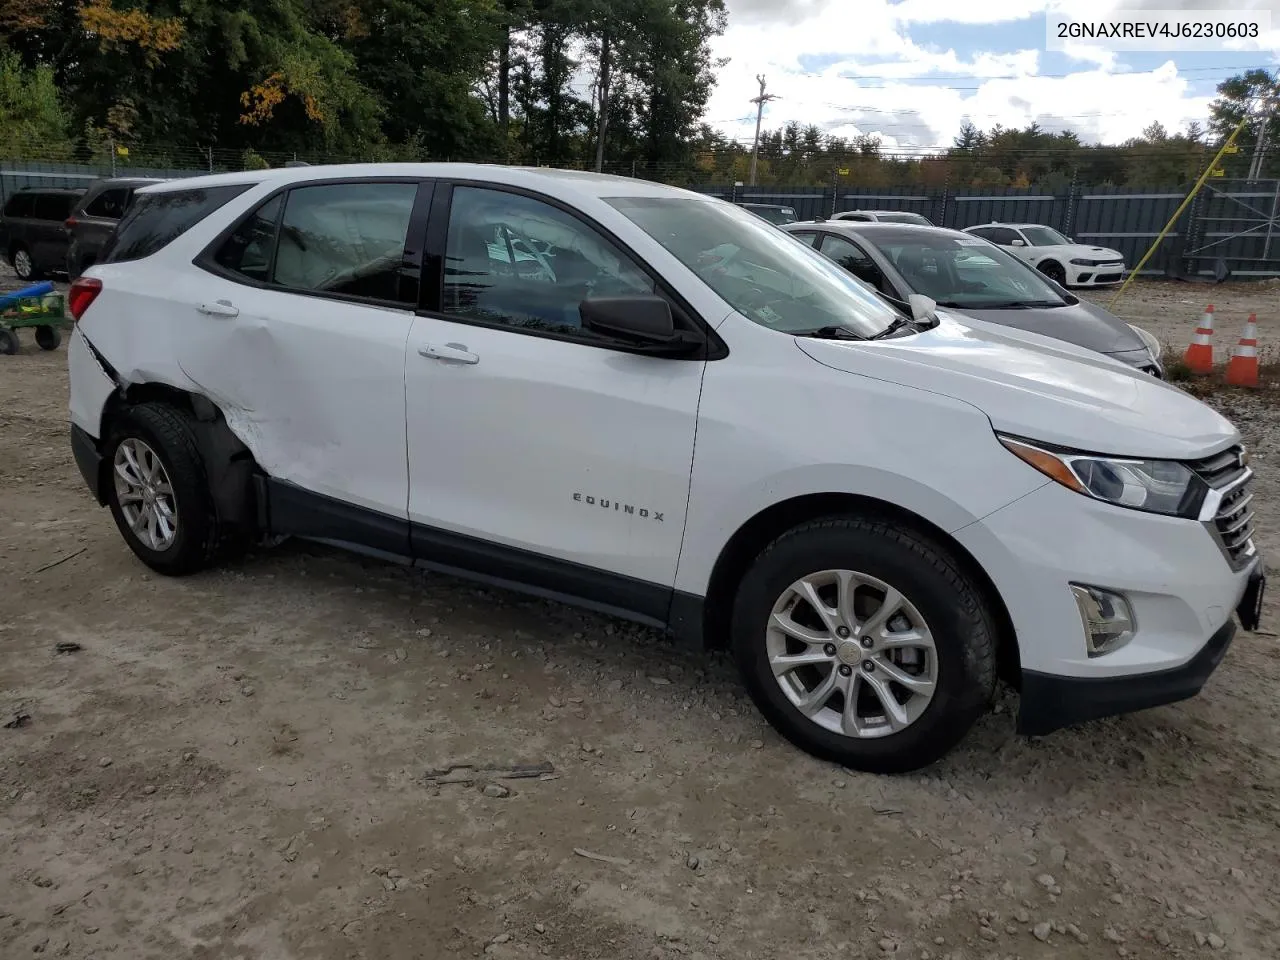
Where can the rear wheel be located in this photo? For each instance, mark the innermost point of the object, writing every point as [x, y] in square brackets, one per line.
[23, 265]
[48, 338]
[158, 492]
[9, 344]
[1055, 272]
[864, 644]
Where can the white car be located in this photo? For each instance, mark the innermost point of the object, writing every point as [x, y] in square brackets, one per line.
[883, 216]
[876, 513]
[1059, 258]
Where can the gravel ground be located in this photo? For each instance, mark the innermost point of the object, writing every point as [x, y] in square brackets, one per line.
[1171, 310]
[237, 765]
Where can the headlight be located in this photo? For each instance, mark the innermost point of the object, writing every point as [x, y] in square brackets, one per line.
[1155, 486]
[1152, 344]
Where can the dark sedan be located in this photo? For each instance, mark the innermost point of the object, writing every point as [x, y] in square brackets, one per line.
[971, 276]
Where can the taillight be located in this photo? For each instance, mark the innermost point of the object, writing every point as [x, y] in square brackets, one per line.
[69, 223]
[84, 290]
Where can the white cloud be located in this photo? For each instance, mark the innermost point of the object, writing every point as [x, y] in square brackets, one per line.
[864, 90]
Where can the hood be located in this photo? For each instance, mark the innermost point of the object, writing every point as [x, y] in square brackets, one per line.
[1081, 250]
[1039, 388]
[1084, 324]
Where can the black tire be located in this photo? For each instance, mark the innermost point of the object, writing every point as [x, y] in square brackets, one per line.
[1054, 271]
[963, 631]
[164, 429]
[24, 267]
[48, 338]
[9, 344]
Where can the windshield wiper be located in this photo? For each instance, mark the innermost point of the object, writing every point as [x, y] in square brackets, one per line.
[894, 327]
[1020, 305]
[833, 332]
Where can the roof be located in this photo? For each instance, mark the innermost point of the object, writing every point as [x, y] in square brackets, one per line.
[1013, 226]
[39, 189]
[871, 227]
[547, 179]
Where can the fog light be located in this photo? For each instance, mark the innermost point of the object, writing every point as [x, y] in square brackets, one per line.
[1106, 616]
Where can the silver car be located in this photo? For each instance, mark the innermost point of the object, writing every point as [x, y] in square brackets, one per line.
[971, 276]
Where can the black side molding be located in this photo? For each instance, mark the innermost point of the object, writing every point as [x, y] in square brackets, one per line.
[1050, 703]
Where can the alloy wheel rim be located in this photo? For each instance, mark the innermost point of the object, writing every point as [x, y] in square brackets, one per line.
[22, 264]
[145, 495]
[852, 654]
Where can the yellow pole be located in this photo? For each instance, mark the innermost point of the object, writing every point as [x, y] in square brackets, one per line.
[1213, 165]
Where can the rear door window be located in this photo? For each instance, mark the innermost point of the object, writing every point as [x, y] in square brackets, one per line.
[157, 219]
[20, 205]
[338, 239]
[54, 206]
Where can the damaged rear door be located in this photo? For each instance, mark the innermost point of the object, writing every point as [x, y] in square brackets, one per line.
[297, 330]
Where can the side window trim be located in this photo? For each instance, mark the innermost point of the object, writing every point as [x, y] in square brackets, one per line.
[434, 270]
[425, 186]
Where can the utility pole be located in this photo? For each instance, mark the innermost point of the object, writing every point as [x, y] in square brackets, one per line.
[1270, 101]
[759, 101]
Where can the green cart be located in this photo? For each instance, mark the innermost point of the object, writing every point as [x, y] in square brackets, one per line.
[47, 314]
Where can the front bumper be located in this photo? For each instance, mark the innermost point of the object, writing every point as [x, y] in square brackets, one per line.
[1103, 276]
[1182, 591]
[1050, 703]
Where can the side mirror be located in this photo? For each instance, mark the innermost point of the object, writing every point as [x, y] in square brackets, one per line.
[1017, 243]
[643, 320]
[922, 307]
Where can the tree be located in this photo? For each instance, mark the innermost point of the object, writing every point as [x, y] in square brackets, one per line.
[33, 119]
[1255, 93]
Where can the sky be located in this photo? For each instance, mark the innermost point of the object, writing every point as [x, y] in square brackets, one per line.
[912, 71]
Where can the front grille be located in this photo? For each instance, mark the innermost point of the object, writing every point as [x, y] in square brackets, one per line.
[1233, 520]
[1222, 469]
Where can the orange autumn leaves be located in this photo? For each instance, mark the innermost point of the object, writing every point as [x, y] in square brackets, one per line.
[155, 36]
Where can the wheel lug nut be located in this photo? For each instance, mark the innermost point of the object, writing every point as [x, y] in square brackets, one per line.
[842, 632]
[866, 643]
[845, 670]
[868, 666]
[829, 649]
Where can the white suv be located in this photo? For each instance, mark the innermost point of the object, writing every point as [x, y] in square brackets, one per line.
[877, 513]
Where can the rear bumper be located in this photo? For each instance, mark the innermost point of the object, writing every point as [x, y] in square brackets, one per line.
[85, 450]
[1050, 703]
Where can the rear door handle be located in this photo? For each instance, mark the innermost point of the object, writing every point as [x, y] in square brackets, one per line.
[451, 352]
[219, 308]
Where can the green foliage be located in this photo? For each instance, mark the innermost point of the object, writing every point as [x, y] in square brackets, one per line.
[32, 114]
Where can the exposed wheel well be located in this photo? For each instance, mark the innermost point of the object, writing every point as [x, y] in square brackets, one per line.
[1050, 262]
[758, 532]
[228, 463]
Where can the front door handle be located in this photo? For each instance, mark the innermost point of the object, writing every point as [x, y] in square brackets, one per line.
[219, 308]
[451, 352]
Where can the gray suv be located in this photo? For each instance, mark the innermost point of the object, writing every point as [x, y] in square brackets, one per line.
[33, 233]
[95, 217]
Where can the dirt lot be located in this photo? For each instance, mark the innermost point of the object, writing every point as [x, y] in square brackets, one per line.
[236, 766]
[1171, 310]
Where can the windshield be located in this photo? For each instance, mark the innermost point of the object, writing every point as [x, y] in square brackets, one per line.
[769, 277]
[959, 270]
[1043, 236]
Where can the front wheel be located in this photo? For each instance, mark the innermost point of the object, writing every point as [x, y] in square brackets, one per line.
[1055, 272]
[864, 644]
[158, 492]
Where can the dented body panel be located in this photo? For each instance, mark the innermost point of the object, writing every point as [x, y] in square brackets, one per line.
[317, 396]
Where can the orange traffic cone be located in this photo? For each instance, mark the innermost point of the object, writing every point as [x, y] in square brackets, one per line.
[1242, 368]
[1199, 356]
